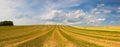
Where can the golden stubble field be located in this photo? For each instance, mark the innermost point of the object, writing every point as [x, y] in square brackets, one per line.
[59, 36]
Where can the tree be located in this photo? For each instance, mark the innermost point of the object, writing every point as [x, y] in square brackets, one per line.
[6, 23]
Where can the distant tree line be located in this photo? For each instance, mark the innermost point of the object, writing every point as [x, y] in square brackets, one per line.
[6, 23]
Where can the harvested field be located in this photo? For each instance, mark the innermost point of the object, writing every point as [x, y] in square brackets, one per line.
[59, 36]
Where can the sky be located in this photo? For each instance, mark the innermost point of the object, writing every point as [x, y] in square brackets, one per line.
[65, 12]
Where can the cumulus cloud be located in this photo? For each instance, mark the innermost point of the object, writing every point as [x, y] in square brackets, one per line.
[71, 18]
[107, 11]
[19, 11]
[118, 10]
[23, 12]
[50, 15]
[100, 5]
[96, 11]
[100, 9]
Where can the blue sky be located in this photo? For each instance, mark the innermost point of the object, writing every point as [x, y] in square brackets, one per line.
[66, 12]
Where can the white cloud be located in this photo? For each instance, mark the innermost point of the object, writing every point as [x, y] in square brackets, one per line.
[24, 21]
[10, 9]
[107, 11]
[51, 15]
[79, 13]
[95, 11]
[118, 10]
[99, 10]
[70, 18]
[6, 10]
[100, 5]
[101, 19]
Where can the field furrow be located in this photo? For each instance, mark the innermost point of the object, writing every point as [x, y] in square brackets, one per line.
[79, 41]
[38, 40]
[59, 36]
[96, 40]
[61, 40]
[114, 37]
